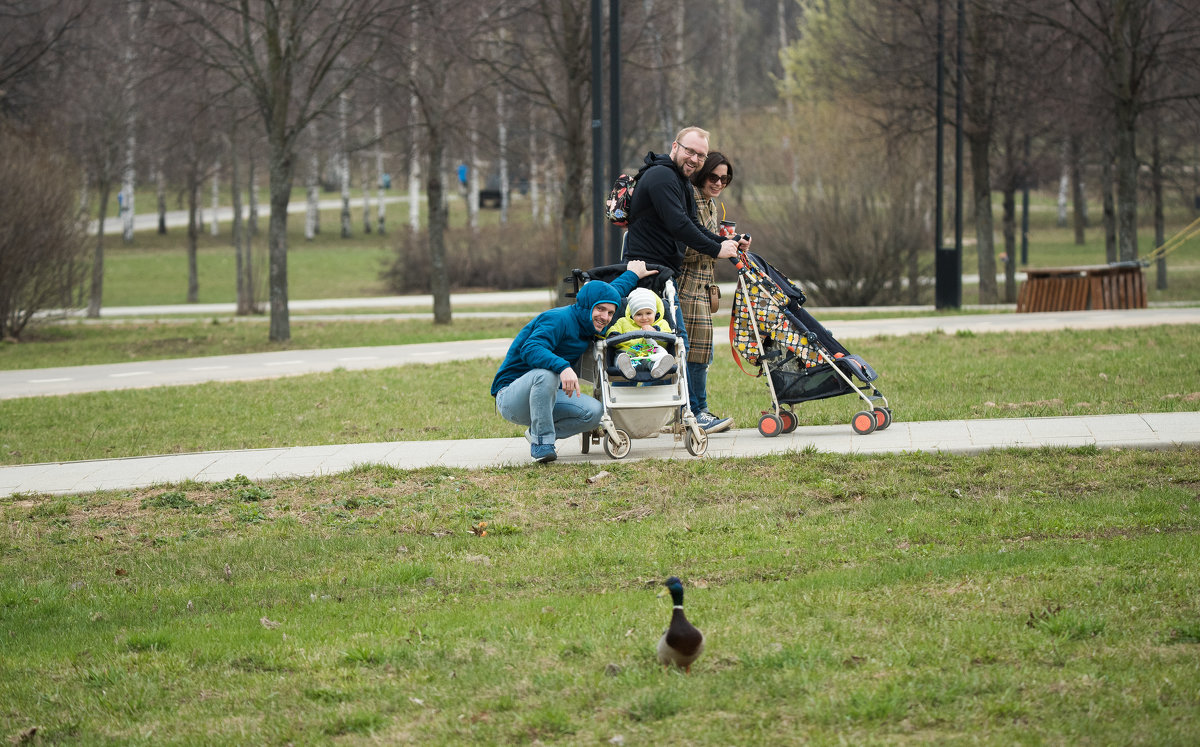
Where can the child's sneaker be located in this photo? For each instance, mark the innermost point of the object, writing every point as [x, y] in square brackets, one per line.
[626, 366]
[663, 367]
[543, 452]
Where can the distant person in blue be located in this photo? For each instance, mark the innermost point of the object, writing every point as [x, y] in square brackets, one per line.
[462, 177]
[536, 386]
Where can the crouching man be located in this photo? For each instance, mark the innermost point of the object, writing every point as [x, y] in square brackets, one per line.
[536, 386]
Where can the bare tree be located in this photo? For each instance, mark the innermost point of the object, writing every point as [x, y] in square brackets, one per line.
[295, 58]
[437, 75]
[35, 37]
[42, 250]
[1130, 41]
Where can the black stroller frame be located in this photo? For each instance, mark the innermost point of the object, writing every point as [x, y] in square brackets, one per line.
[800, 358]
[638, 408]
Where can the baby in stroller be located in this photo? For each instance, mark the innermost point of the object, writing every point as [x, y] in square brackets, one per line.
[644, 311]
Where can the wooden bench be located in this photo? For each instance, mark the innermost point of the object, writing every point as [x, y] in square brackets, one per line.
[1116, 286]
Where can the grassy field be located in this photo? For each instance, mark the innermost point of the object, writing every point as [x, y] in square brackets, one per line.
[1042, 597]
[153, 269]
[925, 377]
[1028, 597]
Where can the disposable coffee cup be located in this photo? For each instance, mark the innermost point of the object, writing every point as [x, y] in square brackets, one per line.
[727, 229]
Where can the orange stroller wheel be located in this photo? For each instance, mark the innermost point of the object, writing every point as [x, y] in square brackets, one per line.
[770, 425]
[790, 421]
[864, 422]
[883, 418]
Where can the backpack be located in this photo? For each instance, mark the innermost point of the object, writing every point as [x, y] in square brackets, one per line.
[620, 198]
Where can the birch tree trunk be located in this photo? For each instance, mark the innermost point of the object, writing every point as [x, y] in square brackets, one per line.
[1078, 196]
[312, 207]
[237, 227]
[365, 176]
[252, 174]
[985, 244]
[214, 224]
[1156, 186]
[193, 234]
[344, 162]
[730, 14]
[1110, 212]
[381, 209]
[502, 155]
[658, 61]
[160, 189]
[1064, 184]
[439, 279]
[472, 186]
[130, 93]
[1009, 223]
[535, 176]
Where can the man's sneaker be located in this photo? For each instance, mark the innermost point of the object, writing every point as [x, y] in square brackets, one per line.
[626, 366]
[543, 452]
[710, 423]
[663, 367]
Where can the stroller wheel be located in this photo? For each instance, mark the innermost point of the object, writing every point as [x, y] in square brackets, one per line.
[619, 448]
[695, 447]
[864, 423]
[770, 425]
[883, 418]
[790, 421]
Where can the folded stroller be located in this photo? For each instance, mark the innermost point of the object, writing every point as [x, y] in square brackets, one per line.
[641, 407]
[801, 361]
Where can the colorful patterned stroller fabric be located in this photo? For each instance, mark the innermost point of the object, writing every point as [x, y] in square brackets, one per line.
[770, 329]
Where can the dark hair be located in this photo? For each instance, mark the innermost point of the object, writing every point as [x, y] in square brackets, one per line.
[714, 160]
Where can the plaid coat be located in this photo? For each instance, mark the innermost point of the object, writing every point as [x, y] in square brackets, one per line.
[699, 272]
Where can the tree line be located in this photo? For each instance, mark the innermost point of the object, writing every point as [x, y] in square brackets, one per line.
[813, 98]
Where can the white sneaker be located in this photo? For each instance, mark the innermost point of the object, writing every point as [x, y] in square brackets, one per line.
[626, 366]
[663, 367]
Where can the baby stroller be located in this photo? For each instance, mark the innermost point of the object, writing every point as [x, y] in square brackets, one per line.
[642, 407]
[802, 362]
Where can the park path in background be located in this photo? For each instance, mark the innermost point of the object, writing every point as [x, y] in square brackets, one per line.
[253, 366]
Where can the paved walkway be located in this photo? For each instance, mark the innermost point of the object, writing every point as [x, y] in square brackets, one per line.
[958, 436]
[248, 367]
[1160, 430]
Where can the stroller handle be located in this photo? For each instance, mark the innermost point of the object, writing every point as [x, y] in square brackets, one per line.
[608, 273]
[640, 334]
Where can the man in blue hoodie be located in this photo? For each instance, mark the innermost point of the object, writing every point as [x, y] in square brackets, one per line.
[536, 387]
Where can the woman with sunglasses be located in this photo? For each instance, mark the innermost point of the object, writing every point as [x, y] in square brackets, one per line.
[699, 273]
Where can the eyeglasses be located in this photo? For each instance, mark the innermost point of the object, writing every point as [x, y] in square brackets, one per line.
[691, 153]
[724, 180]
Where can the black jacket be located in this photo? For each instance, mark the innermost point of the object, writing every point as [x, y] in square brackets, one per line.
[664, 220]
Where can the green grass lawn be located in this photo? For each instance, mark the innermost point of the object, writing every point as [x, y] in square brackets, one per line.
[1028, 597]
[1043, 597]
[925, 377]
[153, 269]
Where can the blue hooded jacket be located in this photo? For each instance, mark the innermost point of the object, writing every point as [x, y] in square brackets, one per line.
[556, 338]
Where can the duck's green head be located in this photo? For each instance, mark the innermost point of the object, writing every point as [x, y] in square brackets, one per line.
[675, 586]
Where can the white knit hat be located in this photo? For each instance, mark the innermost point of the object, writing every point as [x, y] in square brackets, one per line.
[642, 298]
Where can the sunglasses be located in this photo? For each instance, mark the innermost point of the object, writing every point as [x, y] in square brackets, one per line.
[724, 180]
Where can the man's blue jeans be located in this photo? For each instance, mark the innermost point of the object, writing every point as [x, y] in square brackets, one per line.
[537, 401]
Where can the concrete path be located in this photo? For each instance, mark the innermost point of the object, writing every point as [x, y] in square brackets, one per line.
[959, 436]
[1160, 430]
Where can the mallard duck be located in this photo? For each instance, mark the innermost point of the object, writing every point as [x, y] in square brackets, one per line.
[682, 642]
